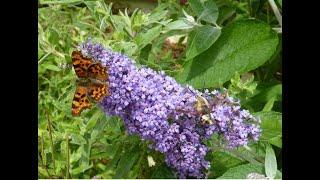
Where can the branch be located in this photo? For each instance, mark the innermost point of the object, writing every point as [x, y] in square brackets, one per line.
[276, 11]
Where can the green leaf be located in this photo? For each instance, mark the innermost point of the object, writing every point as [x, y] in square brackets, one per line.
[43, 173]
[158, 14]
[163, 172]
[81, 169]
[126, 162]
[200, 39]
[270, 163]
[75, 156]
[144, 53]
[179, 25]
[144, 39]
[268, 93]
[98, 128]
[77, 139]
[50, 67]
[241, 172]
[92, 122]
[241, 47]
[196, 6]
[268, 107]
[129, 48]
[207, 11]
[242, 87]
[225, 13]
[61, 2]
[265, 92]
[59, 166]
[276, 141]
[221, 162]
[54, 37]
[279, 3]
[113, 125]
[271, 124]
[108, 152]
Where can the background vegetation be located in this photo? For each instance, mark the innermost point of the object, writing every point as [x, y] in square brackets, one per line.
[234, 44]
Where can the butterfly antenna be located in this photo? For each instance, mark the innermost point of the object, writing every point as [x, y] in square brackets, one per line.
[191, 91]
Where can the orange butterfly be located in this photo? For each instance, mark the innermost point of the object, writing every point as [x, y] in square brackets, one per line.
[92, 83]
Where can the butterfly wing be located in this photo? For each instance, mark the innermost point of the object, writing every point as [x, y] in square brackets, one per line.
[80, 64]
[97, 90]
[98, 87]
[97, 71]
[80, 100]
[93, 84]
[201, 105]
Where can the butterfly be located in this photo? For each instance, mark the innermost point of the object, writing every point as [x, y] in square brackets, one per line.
[202, 105]
[203, 108]
[92, 85]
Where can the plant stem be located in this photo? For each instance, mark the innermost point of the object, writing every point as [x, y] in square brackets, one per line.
[42, 147]
[258, 75]
[95, 28]
[142, 155]
[50, 135]
[250, 10]
[252, 158]
[68, 157]
[42, 154]
[43, 57]
[217, 26]
[60, 2]
[258, 158]
[245, 157]
[268, 15]
[276, 11]
[43, 166]
[278, 30]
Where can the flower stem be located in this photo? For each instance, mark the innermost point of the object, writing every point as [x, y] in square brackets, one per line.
[68, 157]
[276, 11]
[50, 135]
[250, 159]
[42, 154]
[44, 57]
[250, 9]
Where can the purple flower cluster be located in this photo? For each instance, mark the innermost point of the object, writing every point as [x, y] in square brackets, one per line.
[236, 125]
[160, 110]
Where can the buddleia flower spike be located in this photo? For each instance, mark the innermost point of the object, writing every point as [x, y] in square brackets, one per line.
[146, 100]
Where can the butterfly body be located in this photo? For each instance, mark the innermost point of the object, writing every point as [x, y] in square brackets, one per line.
[202, 106]
[203, 109]
[92, 85]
